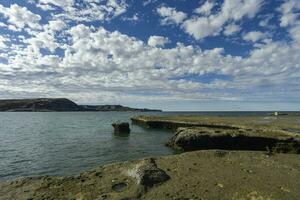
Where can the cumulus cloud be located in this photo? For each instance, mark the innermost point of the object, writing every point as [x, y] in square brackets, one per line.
[231, 29]
[56, 25]
[2, 42]
[206, 8]
[290, 18]
[207, 24]
[98, 65]
[171, 15]
[288, 10]
[254, 36]
[157, 41]
[85, 11]
[97, 61]
[64, 4]
[20, 17]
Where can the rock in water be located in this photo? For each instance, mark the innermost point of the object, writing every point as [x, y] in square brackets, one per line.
[121, 128]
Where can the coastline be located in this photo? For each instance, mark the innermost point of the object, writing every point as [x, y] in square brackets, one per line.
[194, 175]
[204, 174]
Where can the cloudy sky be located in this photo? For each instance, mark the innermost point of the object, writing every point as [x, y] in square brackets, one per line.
[174, 55]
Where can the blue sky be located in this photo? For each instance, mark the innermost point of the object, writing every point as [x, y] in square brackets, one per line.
[173, 55]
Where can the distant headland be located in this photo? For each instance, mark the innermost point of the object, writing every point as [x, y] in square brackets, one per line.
[59, 105]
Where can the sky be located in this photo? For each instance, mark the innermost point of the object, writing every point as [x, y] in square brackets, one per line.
[204, 55]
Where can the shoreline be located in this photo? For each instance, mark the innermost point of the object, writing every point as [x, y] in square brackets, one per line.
[212, 174]
[199, 174]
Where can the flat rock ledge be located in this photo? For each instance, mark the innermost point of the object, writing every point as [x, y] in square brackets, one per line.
[200, 138]
[193, 135]
[161, 123]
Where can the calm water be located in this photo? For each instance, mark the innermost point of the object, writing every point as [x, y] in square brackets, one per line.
[68, 143]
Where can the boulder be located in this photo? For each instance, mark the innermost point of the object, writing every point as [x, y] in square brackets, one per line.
[150, 174]
[121, 127]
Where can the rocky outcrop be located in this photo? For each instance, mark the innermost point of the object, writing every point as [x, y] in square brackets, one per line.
[162, 123]
[200, 138]
[121, 128]
[149, 174]
[200, 133]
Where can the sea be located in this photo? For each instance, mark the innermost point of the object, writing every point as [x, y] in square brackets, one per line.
[67, 143]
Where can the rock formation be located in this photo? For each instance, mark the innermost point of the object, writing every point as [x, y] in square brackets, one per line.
[121, 128]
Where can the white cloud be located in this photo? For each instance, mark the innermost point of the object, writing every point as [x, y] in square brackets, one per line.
[254, 36]
[2, 42]
[231, 29]
[211, 25]
[158, 41]
[170, 15]
[206, 8]
[290, 18]
[20, 17]
[56, 25]
[99, 65]
[85, 11]
[288, 8]
[266, 20]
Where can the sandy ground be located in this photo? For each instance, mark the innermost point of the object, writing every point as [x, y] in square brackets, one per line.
[194, 175]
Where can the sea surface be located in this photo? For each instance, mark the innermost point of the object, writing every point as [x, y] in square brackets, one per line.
[67, 143]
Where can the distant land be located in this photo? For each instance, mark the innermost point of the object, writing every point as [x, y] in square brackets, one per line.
[60, 105]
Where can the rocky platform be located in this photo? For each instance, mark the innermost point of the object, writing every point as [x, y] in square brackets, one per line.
[193, 175]
[228, 133]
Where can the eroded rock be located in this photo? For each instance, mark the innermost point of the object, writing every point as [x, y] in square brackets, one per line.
[200, 138]
[148, 174]
[121, 128]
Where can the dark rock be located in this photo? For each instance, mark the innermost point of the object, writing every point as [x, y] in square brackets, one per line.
[151, 175]
[121, 128]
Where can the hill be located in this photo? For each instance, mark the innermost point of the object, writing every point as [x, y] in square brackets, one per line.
[58, 105]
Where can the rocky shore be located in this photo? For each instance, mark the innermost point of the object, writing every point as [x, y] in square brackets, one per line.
[194, 175]
[213, 170]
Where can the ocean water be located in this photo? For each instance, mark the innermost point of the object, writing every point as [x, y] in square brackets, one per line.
[67, 143]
